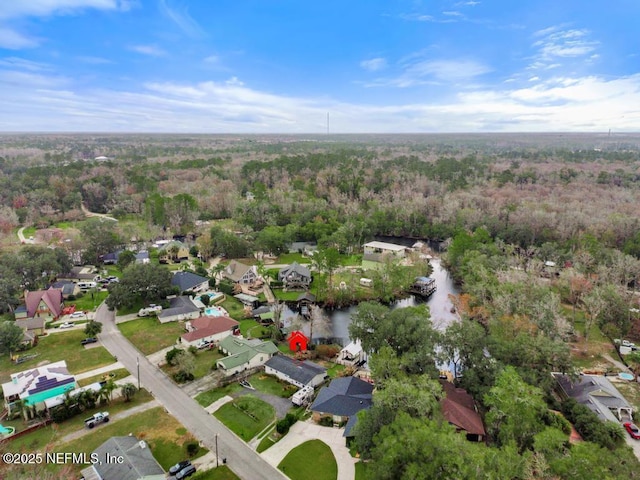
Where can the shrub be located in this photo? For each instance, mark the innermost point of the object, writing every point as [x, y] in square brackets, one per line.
[326, 421]
[172, 356]
[327, 351]
[191, 447]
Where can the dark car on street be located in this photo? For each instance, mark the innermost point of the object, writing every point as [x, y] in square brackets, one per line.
[179, 466]
[184, 473]
[89, 340]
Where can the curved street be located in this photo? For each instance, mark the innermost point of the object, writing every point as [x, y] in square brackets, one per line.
[245, 462]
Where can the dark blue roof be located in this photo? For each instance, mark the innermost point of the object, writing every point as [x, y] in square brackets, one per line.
[344, 397]
[187, 280]
[302, 372]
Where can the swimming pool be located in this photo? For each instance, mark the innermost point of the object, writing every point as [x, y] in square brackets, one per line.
[6, 431]
[625, 376]
[215, 312]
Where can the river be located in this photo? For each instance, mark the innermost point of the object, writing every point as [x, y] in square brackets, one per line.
[332, 326]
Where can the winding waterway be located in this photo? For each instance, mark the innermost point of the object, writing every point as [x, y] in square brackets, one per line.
[333, 326]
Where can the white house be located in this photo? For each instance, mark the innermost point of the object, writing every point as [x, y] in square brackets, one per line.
[383, 248]
[244, 354]
[300, 374]
[208, 329]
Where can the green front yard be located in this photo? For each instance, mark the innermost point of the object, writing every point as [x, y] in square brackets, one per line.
[207, 398]
[165, 436]
[117, 374]
[89, 301]
[312, 459]
[234, 307]
[219, 473]
[149, 335]
[42, 437]
[55, 347]
[270, 384]
[204, 361]
[246, 416]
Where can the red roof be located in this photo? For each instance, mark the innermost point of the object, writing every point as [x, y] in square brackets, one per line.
[207, 326]
[459, 409]
[297, 337]
[52, 298]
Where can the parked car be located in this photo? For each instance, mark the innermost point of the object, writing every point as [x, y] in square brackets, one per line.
[66, 325]
[206, 344]
[179, 466]
[184, 473]
[634, 432]
[78, 315]
[113, 279]
[89, 340]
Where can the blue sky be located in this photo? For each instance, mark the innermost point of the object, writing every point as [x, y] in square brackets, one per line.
[278, 66]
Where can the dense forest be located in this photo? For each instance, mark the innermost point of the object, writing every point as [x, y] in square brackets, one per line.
[542, 232]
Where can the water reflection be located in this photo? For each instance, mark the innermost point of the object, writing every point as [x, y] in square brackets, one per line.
[333, 325]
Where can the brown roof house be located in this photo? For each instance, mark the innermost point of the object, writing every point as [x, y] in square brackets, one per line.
[208, 329]
[460, 411]
[240, 273]
[46, 304]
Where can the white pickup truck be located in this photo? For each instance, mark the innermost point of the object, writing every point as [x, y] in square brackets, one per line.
[150, 310]
[96, 418]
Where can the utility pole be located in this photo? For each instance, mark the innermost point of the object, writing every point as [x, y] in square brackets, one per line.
[138, 365]
[217, 464]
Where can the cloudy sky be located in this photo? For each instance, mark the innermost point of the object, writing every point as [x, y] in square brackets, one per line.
[279, 66]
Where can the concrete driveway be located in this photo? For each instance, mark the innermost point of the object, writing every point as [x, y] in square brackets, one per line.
[303, 431]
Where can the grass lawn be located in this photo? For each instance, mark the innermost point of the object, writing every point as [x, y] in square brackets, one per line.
[149, 335]
[220, 473]
[287, 258]
[55, 347]
[266, 442]
[361, 471]
[258, 331]
[312, 459]
[588, 355]
[118, 374]
[204, 361]
[270, 384]
[246, 325]
[38, 439]
[234, 307]
[207, 398]
[289, 296]
[86, 302]
[246, 416]
[335, 369]
[165, 436]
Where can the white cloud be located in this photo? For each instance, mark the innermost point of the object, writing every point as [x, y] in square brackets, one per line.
[34, 102]
[150, 50]
[470, 3]
[374, 64]
[556, 43]
[94, 60]
[24, 64]
[12, 40]
[182, 19]
[452, 14]
[211, 59]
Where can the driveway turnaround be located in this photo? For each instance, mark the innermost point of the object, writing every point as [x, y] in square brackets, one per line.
[303, 431]
[245, 462]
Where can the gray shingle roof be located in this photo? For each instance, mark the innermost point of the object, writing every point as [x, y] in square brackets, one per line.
[187, 280]
[344, 397]
[137, 462]
[302, 372]
[179, 306]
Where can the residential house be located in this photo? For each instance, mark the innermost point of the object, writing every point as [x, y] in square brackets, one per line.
[188, 281]
[208, 329]
[142, 257]
[598, 394]
[85, 273]
[352, 354]
[68, 288]
[180, 308]
[459, 408]
[295, 276]
[45, 304]
[135, 461]
[342, 400]
[378, 252]
[240, 273]
[173, 251]
[297, 341]
[35, 386]
[31, 327]
[295, 372]
[110, 258]
[244, 354]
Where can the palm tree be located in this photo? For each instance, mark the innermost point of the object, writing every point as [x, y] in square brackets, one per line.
[106, 391]
[128, 390]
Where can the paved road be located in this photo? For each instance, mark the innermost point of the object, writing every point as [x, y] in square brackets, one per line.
[246, 463]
